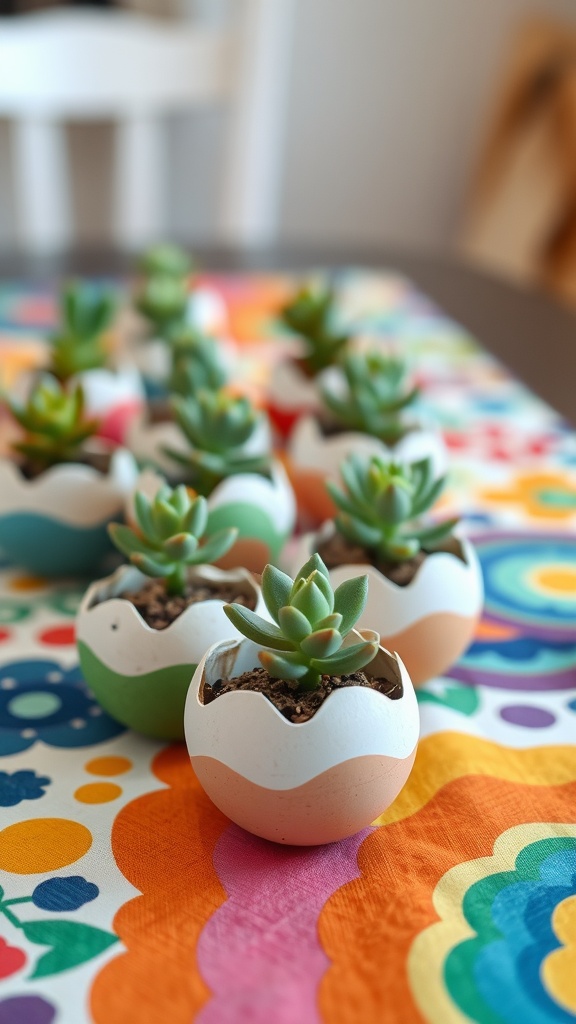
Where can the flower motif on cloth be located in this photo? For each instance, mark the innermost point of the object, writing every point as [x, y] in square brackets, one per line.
[41, 700]
[21, 785]
[70, 943]
[542, 495]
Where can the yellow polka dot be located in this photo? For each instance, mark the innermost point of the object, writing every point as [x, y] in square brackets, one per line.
[42, 844]
[108, 765]
[27, 583]
[98, 792]
[556, 579]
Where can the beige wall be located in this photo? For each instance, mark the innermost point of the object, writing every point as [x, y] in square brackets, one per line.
[386, 108]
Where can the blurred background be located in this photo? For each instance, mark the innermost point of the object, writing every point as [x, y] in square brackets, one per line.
[441, 127]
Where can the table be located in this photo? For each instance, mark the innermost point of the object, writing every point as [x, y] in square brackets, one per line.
[129, 898]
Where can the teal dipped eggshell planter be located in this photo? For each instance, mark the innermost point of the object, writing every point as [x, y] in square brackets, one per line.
[56, 524]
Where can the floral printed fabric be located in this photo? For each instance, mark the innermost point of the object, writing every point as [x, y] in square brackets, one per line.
[127, 896]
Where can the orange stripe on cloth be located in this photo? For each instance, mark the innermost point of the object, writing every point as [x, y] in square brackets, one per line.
[163, 843]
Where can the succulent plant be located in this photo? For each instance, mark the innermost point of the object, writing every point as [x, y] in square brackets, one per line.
[167, 541]
[381, 505]
[310, 314]
[310, 622]
[54, 423]
[79, 342]
[165, 259]
[196, 362]
[218, 427]
[162, 299]
[377, 392]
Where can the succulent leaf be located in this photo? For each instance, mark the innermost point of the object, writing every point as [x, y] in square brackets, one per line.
[294, 623]
[276, 588]
[321, 643]
[281, 668]
[349, 659]
[350, 601]
[257, 629]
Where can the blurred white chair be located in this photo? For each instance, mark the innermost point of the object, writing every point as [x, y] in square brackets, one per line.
[80, 65]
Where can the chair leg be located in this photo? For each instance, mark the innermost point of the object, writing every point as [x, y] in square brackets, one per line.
[41, 184]
[251, 183]
[138, 193]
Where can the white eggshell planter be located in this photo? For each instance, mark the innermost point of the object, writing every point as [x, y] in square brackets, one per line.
[141, 675]
[314, 458]
[291, 395]
[115, 397]
[308, 783]
[431, 621]
[56, 523]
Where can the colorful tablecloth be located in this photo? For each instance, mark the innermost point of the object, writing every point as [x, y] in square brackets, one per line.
[127, 897]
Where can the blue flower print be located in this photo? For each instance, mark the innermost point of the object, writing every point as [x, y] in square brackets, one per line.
[61, 894]
[22, 785]
[41, 700]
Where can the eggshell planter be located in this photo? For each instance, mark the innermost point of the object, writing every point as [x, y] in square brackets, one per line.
[115, 397]
[291, 395]
[308, 783]
[141, 675]
[262, 509]
[313, 458]
[56, 524]
[431, 621]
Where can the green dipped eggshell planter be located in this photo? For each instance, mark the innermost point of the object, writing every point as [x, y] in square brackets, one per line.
[141, 675]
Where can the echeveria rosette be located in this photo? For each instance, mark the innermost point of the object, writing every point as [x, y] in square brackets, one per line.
[167, 541]
[377, 392]
[310, 623]
[311, 314]
[196, 363]
[218, 427]
[382, 503]
[162, 300]
[79, 343]
[165, 259]
[54, 423]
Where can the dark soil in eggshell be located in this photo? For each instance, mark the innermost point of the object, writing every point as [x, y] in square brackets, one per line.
[100, 461]
[295, 705]
[159, 609]
[336, 550]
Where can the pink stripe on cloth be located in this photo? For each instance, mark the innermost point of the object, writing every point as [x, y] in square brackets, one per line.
[259, 953]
